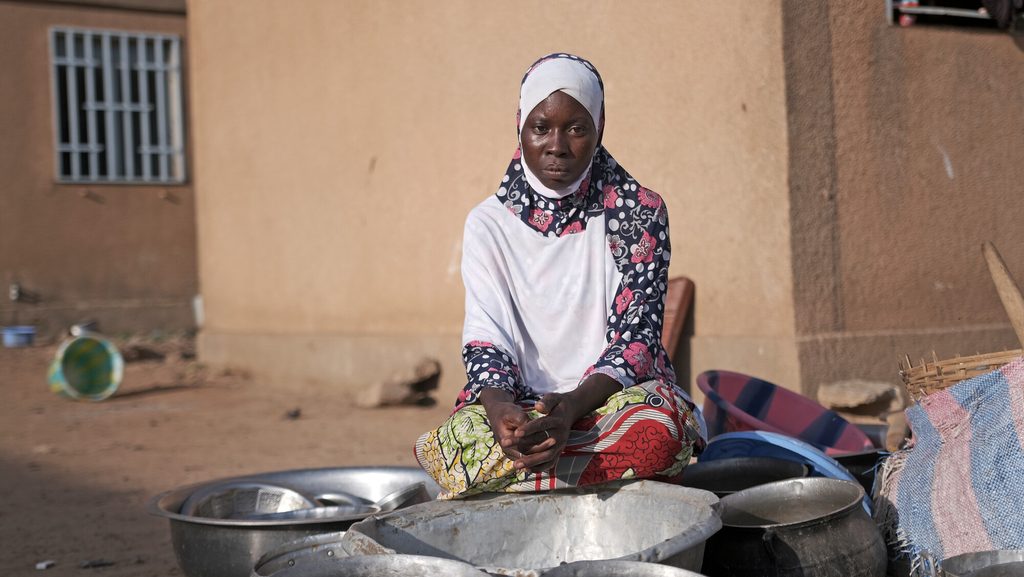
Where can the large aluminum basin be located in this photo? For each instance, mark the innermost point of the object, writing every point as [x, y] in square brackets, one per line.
[526, 534]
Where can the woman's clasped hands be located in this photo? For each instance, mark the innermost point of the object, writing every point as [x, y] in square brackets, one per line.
[532, 443]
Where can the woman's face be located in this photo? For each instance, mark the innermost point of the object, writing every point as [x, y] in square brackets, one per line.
[558, 140]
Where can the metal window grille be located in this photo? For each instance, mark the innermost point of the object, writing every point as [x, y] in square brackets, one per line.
[117, 105]
[905, 12]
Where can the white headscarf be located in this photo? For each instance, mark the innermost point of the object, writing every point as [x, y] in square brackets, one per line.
[572, 77]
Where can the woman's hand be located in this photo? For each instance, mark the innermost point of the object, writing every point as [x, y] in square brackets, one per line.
[542, 440]
[536, 444]
[505, 417]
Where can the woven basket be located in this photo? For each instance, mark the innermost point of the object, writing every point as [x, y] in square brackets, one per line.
[934, 376]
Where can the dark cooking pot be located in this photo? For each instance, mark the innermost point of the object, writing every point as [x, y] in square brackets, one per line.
[814, 527]
[726, 476]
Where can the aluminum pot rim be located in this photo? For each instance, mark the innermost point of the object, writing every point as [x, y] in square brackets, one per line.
[841, 511]
[754, 461]
[361, 562]
[631, 568]
[293, 547]
[965, 564]
[159, 505]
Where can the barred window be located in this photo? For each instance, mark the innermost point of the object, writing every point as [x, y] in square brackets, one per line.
[963, 13]
[117, 99]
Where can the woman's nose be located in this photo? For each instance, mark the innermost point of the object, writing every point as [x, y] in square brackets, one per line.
[558, 144]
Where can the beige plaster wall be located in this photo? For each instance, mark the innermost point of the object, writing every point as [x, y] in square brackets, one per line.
[123, 255]
[339, 146]
[908, 153]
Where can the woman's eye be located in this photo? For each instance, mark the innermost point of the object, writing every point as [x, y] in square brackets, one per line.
[540, 129]
[579, 130]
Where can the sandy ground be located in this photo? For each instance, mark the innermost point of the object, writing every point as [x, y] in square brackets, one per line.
[75, 477]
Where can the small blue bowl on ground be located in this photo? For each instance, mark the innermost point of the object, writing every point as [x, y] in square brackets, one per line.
[18, 336]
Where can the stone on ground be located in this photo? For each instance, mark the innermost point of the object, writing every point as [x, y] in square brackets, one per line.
[408, 386]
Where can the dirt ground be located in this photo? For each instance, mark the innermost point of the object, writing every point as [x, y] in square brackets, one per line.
[75, 477]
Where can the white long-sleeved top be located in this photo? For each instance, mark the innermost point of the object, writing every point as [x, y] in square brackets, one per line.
[542, 300]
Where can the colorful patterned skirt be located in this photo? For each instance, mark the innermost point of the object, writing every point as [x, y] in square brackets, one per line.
[648, 431]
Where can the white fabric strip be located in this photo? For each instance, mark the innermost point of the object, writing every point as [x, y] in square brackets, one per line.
[571, 77]
[542, 190]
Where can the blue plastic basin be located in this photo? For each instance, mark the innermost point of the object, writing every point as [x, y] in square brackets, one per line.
[19, 336]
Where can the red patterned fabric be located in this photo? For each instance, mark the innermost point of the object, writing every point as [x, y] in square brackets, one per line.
[644, 432]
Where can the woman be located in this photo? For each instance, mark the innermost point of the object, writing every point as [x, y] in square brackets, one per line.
[565, 271]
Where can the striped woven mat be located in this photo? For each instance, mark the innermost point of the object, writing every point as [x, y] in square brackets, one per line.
[960, 488]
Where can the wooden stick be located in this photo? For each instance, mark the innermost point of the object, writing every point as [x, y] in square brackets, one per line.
[1009, 291]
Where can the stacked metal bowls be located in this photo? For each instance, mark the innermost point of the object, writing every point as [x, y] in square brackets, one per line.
[223, 527]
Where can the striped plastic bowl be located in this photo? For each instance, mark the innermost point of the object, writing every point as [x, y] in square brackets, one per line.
[737, 402]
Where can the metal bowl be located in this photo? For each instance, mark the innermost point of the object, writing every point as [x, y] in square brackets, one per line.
[1001, 570]
[338, 499]
[243, 500]
[617, 569]
[412, 495]
[967, 564]
[230, 547]
[322, 513]
[301, 554]
[304, 564]
[726, 476]
[325, 555]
